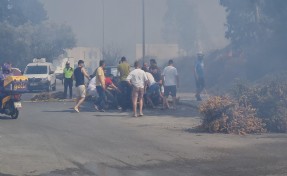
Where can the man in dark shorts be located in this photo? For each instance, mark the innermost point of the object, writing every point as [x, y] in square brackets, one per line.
[171, 83]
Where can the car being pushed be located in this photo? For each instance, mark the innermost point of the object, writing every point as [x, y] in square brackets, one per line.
[112, 72]
[41, 76]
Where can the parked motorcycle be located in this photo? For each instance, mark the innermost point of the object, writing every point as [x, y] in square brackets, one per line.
[10, 95]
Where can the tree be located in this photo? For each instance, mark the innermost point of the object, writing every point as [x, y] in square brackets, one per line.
[244, 21]
[24, 33]
[23, 43]
[258, 28]
[50, 40]
[112, 55]
[17, 12]
[252, 22]
[183, 26]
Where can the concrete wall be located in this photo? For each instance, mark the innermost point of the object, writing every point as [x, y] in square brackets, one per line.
[159, 51]
[91, 56]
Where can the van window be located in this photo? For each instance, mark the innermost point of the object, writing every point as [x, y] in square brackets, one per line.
[36, 70]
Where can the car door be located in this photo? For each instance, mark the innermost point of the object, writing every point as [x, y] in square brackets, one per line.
[52, 75]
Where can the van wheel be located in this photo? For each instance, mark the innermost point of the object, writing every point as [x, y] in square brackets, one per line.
[49, 88]
[54, 87]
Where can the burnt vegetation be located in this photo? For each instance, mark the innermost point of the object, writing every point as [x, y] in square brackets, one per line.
[257, 54]
[249, 109]
[222, 114]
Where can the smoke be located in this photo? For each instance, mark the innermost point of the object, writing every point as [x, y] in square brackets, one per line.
[123, 21]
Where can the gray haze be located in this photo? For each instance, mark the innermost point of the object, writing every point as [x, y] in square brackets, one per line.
[123, 21]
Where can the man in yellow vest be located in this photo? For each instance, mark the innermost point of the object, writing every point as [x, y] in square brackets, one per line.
[68, 80]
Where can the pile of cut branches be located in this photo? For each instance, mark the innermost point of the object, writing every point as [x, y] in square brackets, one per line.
[269, 100]
[46, 96]
[221, 114]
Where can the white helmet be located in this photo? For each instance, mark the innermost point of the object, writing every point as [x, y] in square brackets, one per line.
[200, 53]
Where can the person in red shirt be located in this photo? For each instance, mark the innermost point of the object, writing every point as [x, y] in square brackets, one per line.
[112, 92]
[110, 85]
[109, 82]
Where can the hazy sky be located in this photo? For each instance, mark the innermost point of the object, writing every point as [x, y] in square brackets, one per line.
[123, 21]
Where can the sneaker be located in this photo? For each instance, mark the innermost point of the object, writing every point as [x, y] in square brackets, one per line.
[76, 109]
[102, 110]
[96, 108]
[135, 115]
[198, 98]
[165, 108]
[172, 108]
[141, 114]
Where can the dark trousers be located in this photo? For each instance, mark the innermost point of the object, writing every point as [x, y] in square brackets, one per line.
[68, 83]
[200, 84]
[112, 98]
[125, 98]
[101, 100]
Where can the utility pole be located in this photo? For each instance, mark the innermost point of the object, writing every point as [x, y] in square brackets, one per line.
[103, 25]
[143, 25]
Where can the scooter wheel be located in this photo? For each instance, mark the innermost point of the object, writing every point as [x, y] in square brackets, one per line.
[15, 114]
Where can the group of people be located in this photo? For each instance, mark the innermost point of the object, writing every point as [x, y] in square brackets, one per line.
[146, 84]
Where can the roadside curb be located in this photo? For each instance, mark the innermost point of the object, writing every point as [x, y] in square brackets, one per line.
[51, 100]
[192, 104]
[189, 103]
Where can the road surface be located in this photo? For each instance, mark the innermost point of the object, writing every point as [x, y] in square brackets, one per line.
[51, 139]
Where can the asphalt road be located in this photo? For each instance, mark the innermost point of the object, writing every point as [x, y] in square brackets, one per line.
[51, 139]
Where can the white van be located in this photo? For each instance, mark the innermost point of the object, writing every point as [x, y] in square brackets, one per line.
[41, 75]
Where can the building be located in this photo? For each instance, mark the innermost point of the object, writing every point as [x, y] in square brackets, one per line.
[91, 56]
[159, 51]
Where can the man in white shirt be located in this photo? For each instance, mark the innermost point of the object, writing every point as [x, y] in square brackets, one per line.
[138, 79]
[92, 87]
[171, 83]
